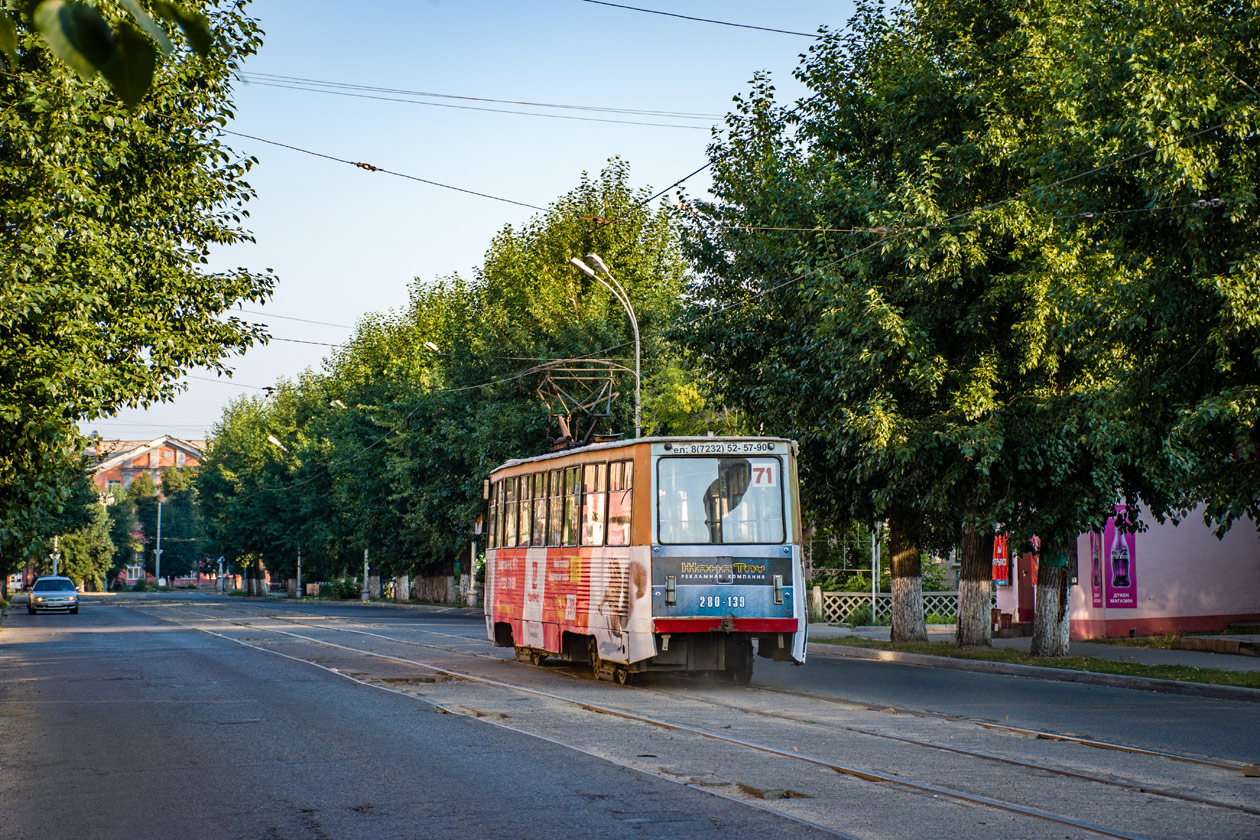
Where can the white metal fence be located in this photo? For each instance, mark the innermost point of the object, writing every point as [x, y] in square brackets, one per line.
[840, 607]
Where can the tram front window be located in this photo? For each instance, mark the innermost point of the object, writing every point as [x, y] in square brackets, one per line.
[720, 500]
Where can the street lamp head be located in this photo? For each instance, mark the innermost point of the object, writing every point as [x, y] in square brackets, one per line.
[274, 442]
[585, 268]
[431, 347]
[337, 404]
[599, 263]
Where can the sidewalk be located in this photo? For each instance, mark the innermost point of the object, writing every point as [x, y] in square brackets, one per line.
[1093, 650]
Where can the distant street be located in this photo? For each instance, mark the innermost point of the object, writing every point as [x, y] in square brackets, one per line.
[199, 717]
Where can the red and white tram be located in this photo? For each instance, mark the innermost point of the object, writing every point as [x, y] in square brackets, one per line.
[656, 554]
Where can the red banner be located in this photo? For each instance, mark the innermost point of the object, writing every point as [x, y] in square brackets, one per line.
[1001, 561]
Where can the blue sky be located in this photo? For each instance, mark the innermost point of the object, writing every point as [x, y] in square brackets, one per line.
[345, 242]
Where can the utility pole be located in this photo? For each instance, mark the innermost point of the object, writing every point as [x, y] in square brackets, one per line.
[299, 577]
[56, 556]
[364, 595]
[157, 552]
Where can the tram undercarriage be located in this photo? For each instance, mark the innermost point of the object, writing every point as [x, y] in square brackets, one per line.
[725, 654]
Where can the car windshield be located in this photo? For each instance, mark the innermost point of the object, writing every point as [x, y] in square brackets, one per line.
[45, 585]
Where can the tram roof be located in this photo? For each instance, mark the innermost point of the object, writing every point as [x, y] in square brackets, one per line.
[621, 444]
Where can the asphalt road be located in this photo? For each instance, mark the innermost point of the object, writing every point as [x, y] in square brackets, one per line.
[115, 725]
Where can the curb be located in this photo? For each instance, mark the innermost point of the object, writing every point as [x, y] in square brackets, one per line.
[1219, 692]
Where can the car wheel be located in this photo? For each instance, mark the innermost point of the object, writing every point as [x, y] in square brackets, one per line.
[30, 611]
[74, 610]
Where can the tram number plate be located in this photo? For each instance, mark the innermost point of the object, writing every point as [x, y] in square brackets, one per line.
[711, 601]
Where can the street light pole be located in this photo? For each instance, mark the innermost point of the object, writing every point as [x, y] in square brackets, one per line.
[620, 294]
[157, 552]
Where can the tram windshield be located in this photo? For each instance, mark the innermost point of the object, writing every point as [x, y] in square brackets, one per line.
[720, 500]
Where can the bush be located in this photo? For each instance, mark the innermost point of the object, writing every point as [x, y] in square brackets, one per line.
[857, 583]
[348, 588]
[141, 586]
[937, 618]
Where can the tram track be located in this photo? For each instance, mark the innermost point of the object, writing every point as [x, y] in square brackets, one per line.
[866, 774]
[1233, 766]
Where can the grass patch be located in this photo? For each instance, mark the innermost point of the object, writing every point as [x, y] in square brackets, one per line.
[1180, 673]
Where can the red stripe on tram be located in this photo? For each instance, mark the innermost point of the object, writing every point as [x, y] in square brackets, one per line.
[738, 625]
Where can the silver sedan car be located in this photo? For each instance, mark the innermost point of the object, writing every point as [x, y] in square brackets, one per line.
[53, 593]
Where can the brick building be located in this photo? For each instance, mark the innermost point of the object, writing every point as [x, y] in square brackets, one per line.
[117, 462]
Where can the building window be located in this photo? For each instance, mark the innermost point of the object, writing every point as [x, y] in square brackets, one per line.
[180, 459]
[154, 457]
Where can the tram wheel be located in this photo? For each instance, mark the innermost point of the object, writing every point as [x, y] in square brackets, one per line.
[537, 657]
[592, 655]
[622, 675]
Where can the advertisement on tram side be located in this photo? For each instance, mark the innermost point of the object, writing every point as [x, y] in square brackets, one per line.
[602, 592]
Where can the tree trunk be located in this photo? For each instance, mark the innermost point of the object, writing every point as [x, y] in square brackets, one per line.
[1050, 613]
[907, 581]
[975, 624]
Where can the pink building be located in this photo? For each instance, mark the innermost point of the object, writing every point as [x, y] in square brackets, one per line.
[1166, 579]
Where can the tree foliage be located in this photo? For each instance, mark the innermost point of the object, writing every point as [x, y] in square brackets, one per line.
[107, 218]
[973, 273]
[387, 448]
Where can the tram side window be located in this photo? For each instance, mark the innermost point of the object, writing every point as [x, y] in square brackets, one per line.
[540, 509]
[555, 518]
[525, 510]
[572, 488]
[492, 527]
[509, 513]
[620, 483]
[594, 492]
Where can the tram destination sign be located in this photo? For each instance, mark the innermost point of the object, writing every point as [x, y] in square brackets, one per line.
[690, 571]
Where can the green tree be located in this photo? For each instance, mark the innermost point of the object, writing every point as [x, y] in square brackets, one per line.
[88, 552]
[143, 495]
[107, 216]
[124, 51]
[386, 450]
[183, 534]
[968, 344]
[122, 527]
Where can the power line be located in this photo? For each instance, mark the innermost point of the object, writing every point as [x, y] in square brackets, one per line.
[357, 164]
[476, 108]
[291, 318]
[406, 92]
[369, 167]
[317, 88]
[701, 20]
[225, 382]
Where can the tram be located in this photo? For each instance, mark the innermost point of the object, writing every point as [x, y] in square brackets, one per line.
[654, 554]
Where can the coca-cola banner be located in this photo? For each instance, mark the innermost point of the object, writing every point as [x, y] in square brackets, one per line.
[1119, 565]
[1001, 561]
